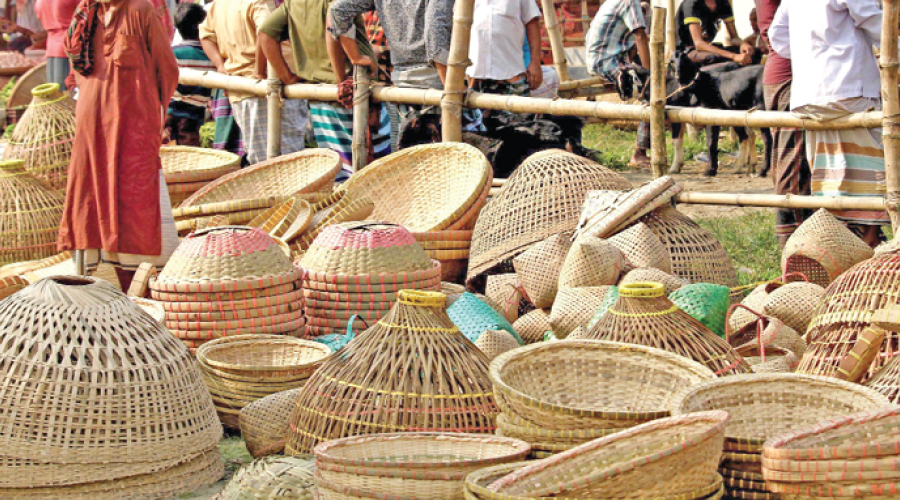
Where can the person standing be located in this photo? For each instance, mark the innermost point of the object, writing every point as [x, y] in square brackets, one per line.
[835, 73]
[697, 24]
[117, 205]
[188, 107]
[55, 16]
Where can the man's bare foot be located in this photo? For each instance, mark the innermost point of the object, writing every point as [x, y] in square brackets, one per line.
[639, 160]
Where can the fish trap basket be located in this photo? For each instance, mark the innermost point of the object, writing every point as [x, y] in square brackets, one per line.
[474, 316]
[264, 423]
[533, 325]
[667, 457]
[822, 248]
[696, 254]
[670, 282]
[412, 370]
[643, 315]
[795, 304]
[591, 262]
[574, 307]
[412, 465]
[30, 213]
[185, 164]
[616, 385]
[548, 182]
[364, 248]
[424, 188]
[495, 342]
[705, 302]
[642, 248]
[110, 365]
[44, 135]
[273, 478]
[307, 171]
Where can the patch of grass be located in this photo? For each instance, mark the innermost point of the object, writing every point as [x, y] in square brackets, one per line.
[234, 453]
[750, 241]
[616, 146]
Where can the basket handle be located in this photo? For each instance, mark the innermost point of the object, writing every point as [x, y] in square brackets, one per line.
[351, 322]
[759, 327]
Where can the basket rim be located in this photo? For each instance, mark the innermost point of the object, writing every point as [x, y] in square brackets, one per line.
[206, 352]
[510, 393]
[198, 172]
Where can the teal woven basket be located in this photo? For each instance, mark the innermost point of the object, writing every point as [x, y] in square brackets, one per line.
[706, 302]
[612, 296]
[474, 316]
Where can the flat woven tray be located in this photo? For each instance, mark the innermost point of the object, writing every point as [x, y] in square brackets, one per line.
[185, 164]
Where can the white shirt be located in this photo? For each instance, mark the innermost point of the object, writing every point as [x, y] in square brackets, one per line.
[829, 43]
[498, 34]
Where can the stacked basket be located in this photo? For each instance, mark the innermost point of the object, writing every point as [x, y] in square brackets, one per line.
[229, 281]
[355, 269]
[763, 406]
[188, 169]
[30, 213]
[240, 370]
[558, 395]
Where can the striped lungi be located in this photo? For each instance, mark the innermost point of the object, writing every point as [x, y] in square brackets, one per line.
[333, 127]
[847, 162]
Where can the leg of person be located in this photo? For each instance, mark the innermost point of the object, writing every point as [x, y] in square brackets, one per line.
[228, 135]
[58, 71]
[382, 132]
[642, 144]
[172, 128]
[333, 125]
[294, 122]
[250, 114]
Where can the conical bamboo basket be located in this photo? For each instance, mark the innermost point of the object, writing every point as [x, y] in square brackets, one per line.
[411, 371]
[643, 315]
[30, 213]
[44, 135]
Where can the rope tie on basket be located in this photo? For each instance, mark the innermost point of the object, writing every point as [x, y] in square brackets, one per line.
[654, 314]
[511, 300]
[54, 101]
[759, 327]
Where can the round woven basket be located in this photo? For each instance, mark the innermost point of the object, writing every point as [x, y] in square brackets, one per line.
[642, 248]
[264, 423]
[307, 171]
[822, 248]
[277, 219]
[185, 164]
[670, 282]
[11, 285]
[365, 248]
[638, 462]
[772, 359]
[30, 213]
[347, 209]
[535, 383]
[273, 478]
[423, 188]
[412, 465]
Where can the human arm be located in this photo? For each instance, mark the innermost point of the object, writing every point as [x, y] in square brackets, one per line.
[166, 65]
[438, 27]
[272, 32]
[701, 44]
[336, 53]
[341, 28]
[533, 72]
[258, 13]
[642, 42]
[210, 42]
[866, 16]
[779, 33]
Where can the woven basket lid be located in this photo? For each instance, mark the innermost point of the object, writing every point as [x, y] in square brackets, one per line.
[541, 198]
[423, 188]
[365, 248]
[302, 172]
[228, 258]
[185, 164]
[113, 369]
[273, 478]
[823, 248]
[607, 212]
[30, 213]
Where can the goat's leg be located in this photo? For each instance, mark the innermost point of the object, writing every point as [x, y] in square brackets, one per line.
[768, 142]
[712, 144]
[678, 145]
[743, 160]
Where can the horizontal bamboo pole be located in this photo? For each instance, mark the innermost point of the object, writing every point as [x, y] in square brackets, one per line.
[872, 203]
[584, 82]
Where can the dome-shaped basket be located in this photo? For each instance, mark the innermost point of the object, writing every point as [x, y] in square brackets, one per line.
[822, 248]
[495, 342]
[670, 282]
[185, 164]
[533, 325]
[574, 307]
[364, 248]
[795, 304]
[264, 423]
[423, 188]
[585, 384]
[273, 478]
[642, 248]
[30, 213]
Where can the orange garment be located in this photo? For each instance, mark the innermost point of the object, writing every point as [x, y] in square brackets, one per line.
[112, 200]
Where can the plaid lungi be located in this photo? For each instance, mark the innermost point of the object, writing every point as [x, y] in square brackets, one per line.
[251, 114]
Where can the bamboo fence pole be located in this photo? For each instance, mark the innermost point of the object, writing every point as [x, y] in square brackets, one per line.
[557, 48]
[360, 147]
[658, 93]
[584, 82]
[273, 114]
[891, 100]
[585, 20]
[670, 29]
[455, 83]
[874, 203]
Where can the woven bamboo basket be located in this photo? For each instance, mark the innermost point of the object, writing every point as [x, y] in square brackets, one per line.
[766, 332]
[538, 268]
[11, 285]
[637, 462]
[44, 135]
[474, 317]
[533, 325]
[642, 248]
[184, 164]
[548, 182]
[495, 342]
[850, 305]
[151, 307]
[591, 262]
[753, 303]
[822, 248]
[670, 282]
[887, 379]
[505, 294]
[643, 315]
[411, 465]
[574, 307]
[273, 478]
[605, 213]
[348, 209]
[30, 213]
[424, 188]
[705, 302]
[795, 304]
[413, 370]
[855, 366]
[696, 254]
[771, 359]
[534, 383]
[108, 362]
[279, 218]
[264, 423]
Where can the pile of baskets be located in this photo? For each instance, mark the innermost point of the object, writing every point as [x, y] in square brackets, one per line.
[227, 281]
[240, 370]
[558, 395]
[356, 269]
[187, 169]
[763, 406]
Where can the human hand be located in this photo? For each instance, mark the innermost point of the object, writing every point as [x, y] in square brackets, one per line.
[345, 93]
[290, 79]
[221, 69]
[367, 62]
[742, 59]
[746, 48]
[534, 74]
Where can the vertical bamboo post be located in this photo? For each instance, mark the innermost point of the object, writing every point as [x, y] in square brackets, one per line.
[273, 117]
[670, 29]
[457, 61]
[360, 146]
[585, 23]
[891, 99]
[551, 22]
[658, 93]
[80, 269]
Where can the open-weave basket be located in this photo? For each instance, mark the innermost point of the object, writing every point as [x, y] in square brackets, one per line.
[306, 171]
[643, 315]
[606, 213]
[128, 400]
[795, 304]
[822, 248]
[696, 254]
[44, 135]
[264, 423]
[413, 370]
[666, 457]
[423, 188]
[590, 262]
[705, 302]
[538, 268]
[474, 316]
[670, 282]
[548, 182]
[273, 478]
[185, 164]
[642, 248]
[411, 465]
[533, 325]
[495, 342]
[574, 307]
[30, 212]
[589, 384]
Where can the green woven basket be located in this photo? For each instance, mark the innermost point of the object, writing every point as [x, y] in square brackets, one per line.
[474, 316]
[705, 302]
